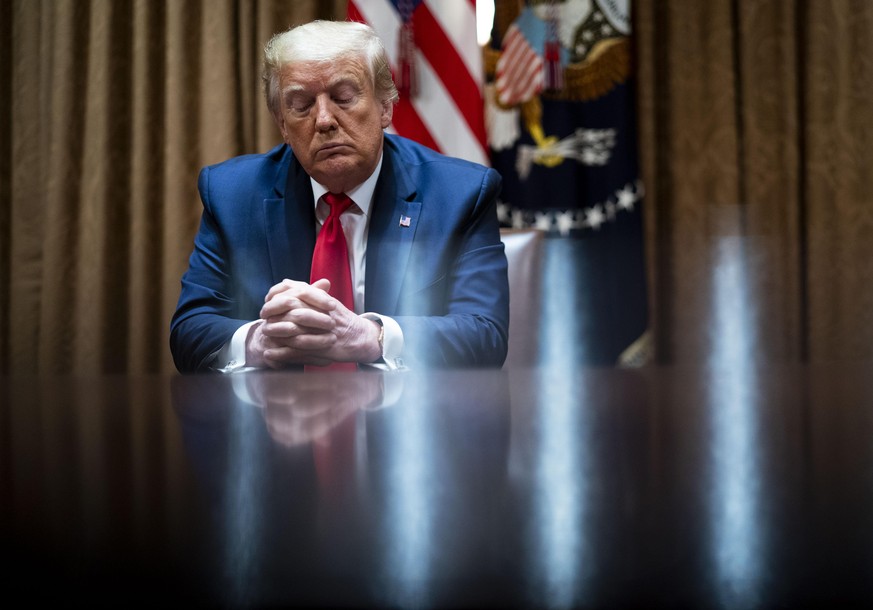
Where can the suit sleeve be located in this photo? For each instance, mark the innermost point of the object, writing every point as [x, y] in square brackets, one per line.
[204, 321]
[472, 329]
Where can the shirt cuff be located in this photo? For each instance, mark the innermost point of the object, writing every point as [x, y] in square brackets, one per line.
[232, 357]
[392, 343]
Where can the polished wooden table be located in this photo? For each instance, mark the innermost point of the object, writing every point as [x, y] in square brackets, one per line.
[679, 487]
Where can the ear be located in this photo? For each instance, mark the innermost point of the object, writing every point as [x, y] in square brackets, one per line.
[387, 114]
[280, 123]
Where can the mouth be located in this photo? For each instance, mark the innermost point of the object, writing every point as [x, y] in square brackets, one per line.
[332, 148]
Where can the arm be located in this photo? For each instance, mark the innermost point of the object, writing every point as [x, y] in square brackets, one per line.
[469, 306]
[209, 309]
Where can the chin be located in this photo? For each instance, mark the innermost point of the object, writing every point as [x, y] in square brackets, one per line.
[338, 173]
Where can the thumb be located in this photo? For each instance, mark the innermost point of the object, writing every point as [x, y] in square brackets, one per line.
[323, 284]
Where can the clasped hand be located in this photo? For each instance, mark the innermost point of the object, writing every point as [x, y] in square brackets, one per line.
[301, 323]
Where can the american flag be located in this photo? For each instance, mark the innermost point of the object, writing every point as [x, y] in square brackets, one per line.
[519, 71]
[446, 110]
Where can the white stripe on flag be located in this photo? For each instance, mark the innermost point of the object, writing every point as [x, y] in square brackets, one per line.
[385, 20]
[444, 121]
[519, 69]
[459, 24]
[434, 105]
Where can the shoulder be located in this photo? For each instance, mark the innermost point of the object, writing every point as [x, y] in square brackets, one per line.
[243, 162]
[434, 172]
[420, 157]
[246, 171]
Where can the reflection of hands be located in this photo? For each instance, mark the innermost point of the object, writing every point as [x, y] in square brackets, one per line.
[302, 324]
[302, 408]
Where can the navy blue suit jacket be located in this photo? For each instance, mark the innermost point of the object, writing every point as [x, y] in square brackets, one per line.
[442, 277]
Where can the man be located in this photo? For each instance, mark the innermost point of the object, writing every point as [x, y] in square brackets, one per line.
[428, 271]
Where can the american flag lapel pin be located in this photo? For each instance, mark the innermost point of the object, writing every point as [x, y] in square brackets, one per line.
[405, 220]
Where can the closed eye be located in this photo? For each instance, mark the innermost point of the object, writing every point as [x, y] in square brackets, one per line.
[344, 94]
[299, 102]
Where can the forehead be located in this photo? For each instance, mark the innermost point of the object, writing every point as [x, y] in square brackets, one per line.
[321, 75]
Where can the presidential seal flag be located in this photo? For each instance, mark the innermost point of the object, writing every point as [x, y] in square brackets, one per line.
[561, 131]
[437, 65]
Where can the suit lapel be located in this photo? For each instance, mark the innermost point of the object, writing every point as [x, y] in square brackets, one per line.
[393, 224]
[289, 224]
[289, 219]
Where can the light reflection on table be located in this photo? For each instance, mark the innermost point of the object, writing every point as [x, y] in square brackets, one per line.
[727, 486]
[737, 541]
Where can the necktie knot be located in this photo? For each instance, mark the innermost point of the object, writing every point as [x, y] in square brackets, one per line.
[338, 203]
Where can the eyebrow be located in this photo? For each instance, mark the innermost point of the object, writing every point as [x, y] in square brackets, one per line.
[344, 80]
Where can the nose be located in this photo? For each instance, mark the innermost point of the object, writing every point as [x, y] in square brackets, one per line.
[325, 120]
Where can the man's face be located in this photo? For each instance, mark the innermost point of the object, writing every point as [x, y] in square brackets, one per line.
[331, 119]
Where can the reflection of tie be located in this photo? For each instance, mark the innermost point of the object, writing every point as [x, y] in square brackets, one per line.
[330, 260]
[334, 455]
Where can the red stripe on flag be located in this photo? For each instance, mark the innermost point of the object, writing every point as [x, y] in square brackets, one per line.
[527, 69]
[462, 126]
[408, 124]
[451, 69]
[526, 85]
[519, 69]
[354, 14]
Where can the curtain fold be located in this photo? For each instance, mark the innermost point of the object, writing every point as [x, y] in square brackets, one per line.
[756, 123]
[112, 107]
[5, 177]
[838, 181]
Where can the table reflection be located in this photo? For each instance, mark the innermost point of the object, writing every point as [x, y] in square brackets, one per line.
[730, 485]
[358, 478]
[304, 409]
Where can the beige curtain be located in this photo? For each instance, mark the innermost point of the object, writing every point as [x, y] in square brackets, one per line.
[756, 123]
[110, 107]
[756, 120]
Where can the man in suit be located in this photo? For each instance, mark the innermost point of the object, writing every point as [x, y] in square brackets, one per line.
[428, 270]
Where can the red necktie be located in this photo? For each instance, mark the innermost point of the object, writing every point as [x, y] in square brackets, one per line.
[330, 260]
[334, 453]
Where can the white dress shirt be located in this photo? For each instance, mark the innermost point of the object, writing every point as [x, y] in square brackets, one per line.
[355, 222]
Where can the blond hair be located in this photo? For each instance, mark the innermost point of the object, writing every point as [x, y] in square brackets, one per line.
[309, 42]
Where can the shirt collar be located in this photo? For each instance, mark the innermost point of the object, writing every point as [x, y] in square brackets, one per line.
[362, 194]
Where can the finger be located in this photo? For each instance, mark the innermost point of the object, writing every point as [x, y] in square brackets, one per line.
[301, 316]
[279, 306]
[311, 342]
[309, 319]
[274, 363]
[289, 301]
[318, 297]
[294, 285]
[281, 287]
[282, 327]
[299, 296]
[308, 343]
